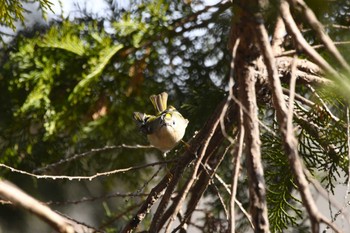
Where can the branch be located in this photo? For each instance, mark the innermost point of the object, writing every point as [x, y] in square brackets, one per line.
[300, 40]
[325, 108]
[299, 98]
[197, 190]
[278, 36]
[256, 181]
[11, 193]
[236, 161]
[306, 72]
[193, 177]
[311, 52]
[63, 177]
[293, 51]
[90, 152]
[247, 60]
[92, 199]
[118, 216]
[154, 195]
[290, 142]
[317, 26]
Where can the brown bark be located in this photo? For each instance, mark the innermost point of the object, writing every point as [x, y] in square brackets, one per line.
[247, 60]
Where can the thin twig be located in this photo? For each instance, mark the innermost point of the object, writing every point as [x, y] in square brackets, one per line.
[154, 195]
[346, 202]
[231, 87]
[64, 177]
[79, 226]
[333, 201]
[118, 216]
[139, 190]
[212, 173]
[237, 202]
[291, 96]
[318, 46]
[90, 152]
[92, 199]
[299, 98]
[262, 124]
[236, 161]
[336, 119]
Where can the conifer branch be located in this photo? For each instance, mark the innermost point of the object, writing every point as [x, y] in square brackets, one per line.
[290, 142]
[317, 26]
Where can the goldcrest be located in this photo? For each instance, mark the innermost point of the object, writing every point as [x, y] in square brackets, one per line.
[165, 129]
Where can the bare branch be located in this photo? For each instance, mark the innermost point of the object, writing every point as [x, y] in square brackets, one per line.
[204, 179]
[299, 38]
[248, 54]
[92, 199]
[319, 46]
[311, 52]
[291, 97]
[236, 161]
[307, 72]
[154, 195]
[11, 193]
[255, 171]
[100, 174]
[231, 90]
[329, 112]
[299, 98]
[317, 26]
[278, 36]
[90, 152]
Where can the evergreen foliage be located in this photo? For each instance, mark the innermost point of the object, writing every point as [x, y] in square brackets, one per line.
[14, 11]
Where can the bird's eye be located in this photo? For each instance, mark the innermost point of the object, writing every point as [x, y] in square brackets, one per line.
[173, 122]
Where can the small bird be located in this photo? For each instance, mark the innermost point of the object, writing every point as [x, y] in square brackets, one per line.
[165, 129]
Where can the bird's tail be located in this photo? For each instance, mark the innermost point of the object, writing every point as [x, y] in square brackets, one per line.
[159, 102]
